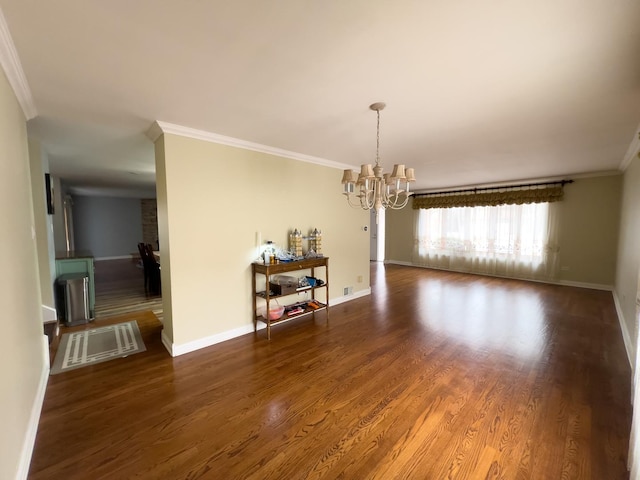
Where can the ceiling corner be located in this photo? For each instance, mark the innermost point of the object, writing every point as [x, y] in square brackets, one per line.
[634, 148]
[13, 70]
[154, 131]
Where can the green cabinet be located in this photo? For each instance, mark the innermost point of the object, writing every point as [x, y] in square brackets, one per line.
[79, 264]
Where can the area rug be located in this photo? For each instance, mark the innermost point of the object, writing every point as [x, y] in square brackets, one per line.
[88, 347]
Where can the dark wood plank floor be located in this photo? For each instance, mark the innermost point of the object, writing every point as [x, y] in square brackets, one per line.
[120, 289]
[436, 375]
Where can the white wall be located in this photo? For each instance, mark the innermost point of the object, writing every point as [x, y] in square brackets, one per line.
[24, 353]
[107, 226]
[377, 235]
[212, 200]
[628, 261]
[39, 164]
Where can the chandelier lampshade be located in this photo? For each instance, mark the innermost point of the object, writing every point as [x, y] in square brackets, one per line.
[373, 189]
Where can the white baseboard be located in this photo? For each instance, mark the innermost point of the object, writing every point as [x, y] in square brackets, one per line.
[176, 350]
[592, 286]
[180, 349]
[566, 283]
[400, 262]
[34, 417]
[166, 341]
[353, 296]
[119, 257]
[626, 337]
[49, 314]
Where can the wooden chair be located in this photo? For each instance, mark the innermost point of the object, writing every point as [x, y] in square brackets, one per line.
[143, 252]
[151, 269]
[154, 272]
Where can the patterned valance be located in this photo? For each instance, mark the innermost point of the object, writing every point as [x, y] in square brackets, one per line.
[510, 196]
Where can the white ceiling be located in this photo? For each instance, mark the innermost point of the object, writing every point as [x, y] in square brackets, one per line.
[476, 92]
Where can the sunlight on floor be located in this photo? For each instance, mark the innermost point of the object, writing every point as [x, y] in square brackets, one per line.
[485, 317]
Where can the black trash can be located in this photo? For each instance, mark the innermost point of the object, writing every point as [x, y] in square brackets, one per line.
[73, 298]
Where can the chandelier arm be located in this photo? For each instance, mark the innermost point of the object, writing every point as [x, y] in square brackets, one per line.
[397, 203]
[401, 205]
[397, 200]
[367, 199]
[352, 204]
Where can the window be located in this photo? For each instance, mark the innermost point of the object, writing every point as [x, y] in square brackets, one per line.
[508, 240]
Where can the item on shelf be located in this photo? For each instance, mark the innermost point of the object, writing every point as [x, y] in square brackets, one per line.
[269, 253]
[314, 305]
[295, 308]
[315, 242]
[295, 243]
[284, 256]
[285, 280]
[264, 294]
[283, 284]
[275, 312]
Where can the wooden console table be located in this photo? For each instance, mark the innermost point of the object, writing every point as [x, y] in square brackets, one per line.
[288, 267]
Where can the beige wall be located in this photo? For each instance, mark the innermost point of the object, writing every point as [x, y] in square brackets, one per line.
[22, 356]
[43, 223]
[399, 234]
[165, 240]
[212, 201]
[588, 234]
[626, 281]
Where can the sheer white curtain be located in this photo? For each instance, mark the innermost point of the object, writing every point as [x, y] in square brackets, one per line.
[507, 240]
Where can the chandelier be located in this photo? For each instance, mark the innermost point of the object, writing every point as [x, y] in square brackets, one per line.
[376, 190]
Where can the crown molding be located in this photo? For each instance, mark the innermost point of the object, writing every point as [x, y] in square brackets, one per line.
[154, 132]
[13, 70]
[158, 128]
[634, 148]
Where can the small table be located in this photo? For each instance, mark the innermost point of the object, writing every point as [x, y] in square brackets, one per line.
[272, 269]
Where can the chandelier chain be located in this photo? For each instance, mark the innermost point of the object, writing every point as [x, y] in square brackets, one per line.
[378, 140]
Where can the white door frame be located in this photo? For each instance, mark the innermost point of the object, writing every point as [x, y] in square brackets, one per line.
[377, 236]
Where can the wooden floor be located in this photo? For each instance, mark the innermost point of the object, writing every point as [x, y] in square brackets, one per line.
[120, 290]
[434, 376]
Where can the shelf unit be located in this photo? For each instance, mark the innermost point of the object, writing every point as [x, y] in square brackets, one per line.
[286, 267]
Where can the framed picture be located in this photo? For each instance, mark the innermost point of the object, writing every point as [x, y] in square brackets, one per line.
[48, 185]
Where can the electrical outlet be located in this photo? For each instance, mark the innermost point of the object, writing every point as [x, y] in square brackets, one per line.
[359, 278]
[348, 290]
